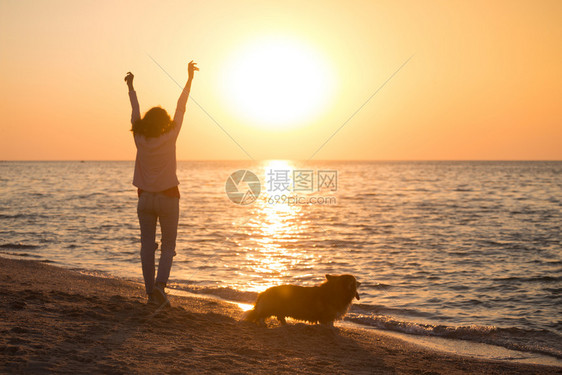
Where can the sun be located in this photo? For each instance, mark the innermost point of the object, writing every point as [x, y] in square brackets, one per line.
[277, 82]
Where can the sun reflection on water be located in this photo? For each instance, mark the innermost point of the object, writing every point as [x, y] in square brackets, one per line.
[272, 254]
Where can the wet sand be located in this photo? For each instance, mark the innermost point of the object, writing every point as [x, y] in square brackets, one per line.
[54, 320]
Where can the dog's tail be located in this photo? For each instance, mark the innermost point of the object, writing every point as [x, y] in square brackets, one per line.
[250, 316]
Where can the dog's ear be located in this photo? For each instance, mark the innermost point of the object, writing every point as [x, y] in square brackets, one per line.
[329, 277]
[357, 283]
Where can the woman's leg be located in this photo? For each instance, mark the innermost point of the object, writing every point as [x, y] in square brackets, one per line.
[147, 220]
[168, 214]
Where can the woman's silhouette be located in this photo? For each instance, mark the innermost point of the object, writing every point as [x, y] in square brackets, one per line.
[155, 177]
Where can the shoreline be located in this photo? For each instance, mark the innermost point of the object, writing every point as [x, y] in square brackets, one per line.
[463, 347]
[59, 320]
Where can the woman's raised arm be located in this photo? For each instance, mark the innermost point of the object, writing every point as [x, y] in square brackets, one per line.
[182, 101]
[133, 97]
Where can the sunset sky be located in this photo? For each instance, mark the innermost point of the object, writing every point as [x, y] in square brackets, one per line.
[484, 80]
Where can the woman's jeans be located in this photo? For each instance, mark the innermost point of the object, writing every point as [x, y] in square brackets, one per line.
[152, 207]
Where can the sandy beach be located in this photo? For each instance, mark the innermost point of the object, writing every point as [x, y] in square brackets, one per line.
[55, 320]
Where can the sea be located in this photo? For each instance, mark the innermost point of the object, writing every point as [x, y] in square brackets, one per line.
[464, 250]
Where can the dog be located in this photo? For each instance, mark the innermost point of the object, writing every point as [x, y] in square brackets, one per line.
[324, 303]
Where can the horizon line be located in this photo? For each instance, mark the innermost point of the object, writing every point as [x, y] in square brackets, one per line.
[286, 159]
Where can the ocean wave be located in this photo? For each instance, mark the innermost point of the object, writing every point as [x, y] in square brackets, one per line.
[528, 340]
[21, 216]
[381, 286]
[364, 309]
[530, 279]
[18, 246]
[23, 255]
[90, 195]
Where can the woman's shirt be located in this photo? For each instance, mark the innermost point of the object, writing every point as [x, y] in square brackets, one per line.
[155, 164]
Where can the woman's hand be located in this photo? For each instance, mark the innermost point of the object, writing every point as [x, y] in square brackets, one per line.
[129, 79]
[191, 69]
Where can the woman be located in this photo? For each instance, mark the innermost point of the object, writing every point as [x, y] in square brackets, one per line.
[155, 177]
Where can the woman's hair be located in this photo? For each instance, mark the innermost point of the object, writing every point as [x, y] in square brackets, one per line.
[154, 123]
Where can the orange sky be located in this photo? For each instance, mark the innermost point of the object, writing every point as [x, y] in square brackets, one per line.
[485, 81]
